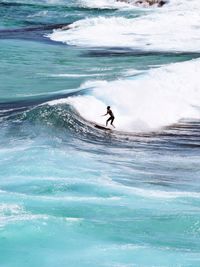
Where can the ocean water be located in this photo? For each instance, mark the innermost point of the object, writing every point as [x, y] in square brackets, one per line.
[71, 194]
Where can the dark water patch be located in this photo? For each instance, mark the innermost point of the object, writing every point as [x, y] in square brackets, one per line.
[120, 52]
[10, 4]
[55, 6]
[186, 127]
[38, 28]
[9, 108]
[23, 14]
[181, 136]
[23, 4]
[31, 33]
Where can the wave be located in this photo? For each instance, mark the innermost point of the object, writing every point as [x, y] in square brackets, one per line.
[55, 115]
[144, 103]
[18, 106]
[158, 98]
[173, 28]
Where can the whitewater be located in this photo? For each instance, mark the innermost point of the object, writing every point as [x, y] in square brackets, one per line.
[155, 98]
[75, 195]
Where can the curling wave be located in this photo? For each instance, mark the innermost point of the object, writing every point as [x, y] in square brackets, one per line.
[159, 98]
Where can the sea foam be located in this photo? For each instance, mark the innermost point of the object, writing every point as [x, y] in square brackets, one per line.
[172, 28]
[154, 99]
[159, 98]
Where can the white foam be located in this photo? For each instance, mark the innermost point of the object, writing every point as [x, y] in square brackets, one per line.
[160, 98]
[171, 28]
[103, 4]
[39, 14]
[71, 219]
[132, 72]
[11, 213]
[149, 193]
[10, 208]
[122, 247]
[89, 199]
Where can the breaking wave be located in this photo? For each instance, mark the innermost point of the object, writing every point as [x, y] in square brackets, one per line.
[171, 28]
[158, 98]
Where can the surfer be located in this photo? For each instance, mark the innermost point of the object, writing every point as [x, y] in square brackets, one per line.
[111, 119]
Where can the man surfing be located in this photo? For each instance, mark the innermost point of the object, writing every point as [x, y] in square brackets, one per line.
[111, 119]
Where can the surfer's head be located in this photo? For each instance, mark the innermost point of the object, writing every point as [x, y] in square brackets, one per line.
[108, 107]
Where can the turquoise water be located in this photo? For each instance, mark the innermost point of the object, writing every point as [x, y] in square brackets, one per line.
[73, 195]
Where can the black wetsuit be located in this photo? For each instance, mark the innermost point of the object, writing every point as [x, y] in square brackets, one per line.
[111, 119]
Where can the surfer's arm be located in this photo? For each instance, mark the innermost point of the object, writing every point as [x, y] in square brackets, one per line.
[105, 114]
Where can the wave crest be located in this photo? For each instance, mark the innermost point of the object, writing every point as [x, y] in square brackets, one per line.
[171, 29]
[153, 100]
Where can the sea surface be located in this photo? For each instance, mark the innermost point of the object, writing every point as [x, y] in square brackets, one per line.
[72, 195]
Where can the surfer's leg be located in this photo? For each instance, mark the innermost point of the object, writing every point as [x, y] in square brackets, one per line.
[112, 119]
[108, 120]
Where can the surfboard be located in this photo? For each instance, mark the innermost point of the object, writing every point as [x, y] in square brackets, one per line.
[101, 127]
